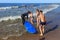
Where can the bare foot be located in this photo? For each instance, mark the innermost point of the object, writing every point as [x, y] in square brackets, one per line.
[41, 34]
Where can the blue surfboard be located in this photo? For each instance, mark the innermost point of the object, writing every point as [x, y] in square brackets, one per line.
[29, 27]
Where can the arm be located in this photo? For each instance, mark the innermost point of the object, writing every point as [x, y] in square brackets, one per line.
[31, 15]
[27, 16]
[37, 23]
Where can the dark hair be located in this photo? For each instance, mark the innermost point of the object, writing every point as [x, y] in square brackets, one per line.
[29, 12]
[41, 11]
[37, 10]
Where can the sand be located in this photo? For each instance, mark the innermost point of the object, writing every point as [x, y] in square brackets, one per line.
[52, 29]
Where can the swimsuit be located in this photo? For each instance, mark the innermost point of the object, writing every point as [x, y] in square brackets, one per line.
[43, 23]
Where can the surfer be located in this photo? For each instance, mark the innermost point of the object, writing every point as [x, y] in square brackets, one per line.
[41, 22]
[27, 15]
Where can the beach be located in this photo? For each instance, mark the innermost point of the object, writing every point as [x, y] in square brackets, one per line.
[52, 30]
[14, 30]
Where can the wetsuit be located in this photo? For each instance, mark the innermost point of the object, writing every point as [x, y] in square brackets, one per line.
[23, 17]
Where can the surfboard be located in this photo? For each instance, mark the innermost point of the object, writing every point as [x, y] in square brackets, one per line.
[29, 27]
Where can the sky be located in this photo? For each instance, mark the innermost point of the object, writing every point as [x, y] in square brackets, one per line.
[29, 1]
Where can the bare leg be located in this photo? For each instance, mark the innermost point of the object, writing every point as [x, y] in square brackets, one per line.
[41, 31]
[37, 23]
[43, 28]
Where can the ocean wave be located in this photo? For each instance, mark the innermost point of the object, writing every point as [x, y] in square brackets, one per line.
[50, 9]
[10, 17]
[45, 11]
[11, 7]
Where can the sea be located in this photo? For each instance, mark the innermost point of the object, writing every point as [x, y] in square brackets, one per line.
[14, 10]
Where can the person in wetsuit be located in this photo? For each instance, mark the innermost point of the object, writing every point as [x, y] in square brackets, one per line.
[28, 15]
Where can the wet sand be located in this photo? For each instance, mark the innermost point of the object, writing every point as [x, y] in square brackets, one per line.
[52, 29]
[53, 25]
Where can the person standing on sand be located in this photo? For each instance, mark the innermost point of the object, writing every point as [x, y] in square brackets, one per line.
[29, 16]
[37, 18]
[41, 22]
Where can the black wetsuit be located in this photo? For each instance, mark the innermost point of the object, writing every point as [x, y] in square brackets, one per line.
[23, 17]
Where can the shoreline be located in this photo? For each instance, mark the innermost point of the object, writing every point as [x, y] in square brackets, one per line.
[52, 28]
[16, 17]
[11, 28]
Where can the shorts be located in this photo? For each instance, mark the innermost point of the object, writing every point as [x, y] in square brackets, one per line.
[43, 23]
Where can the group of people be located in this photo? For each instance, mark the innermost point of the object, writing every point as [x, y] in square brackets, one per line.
[40, 18]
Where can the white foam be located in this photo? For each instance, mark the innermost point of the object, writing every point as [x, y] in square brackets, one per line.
[10, 17]
[15, 17]
[54, 6]
[4, 8]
